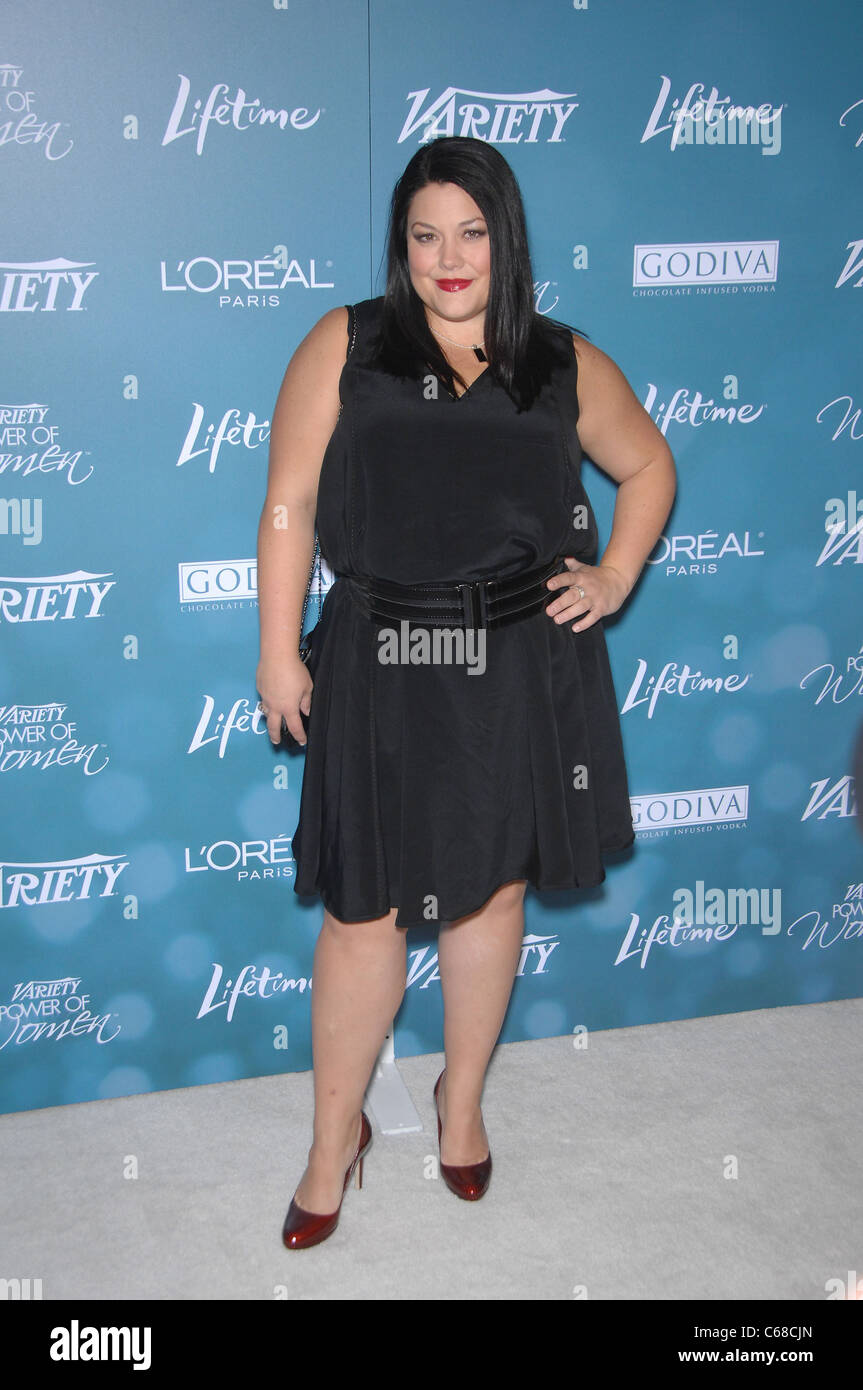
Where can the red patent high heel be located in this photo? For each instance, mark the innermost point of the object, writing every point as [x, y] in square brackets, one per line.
[467, 1180]
[304, 1228]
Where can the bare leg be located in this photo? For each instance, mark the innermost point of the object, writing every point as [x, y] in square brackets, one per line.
[359, 971]
[477, 959]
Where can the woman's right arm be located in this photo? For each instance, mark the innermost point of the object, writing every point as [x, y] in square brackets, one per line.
[304, 418]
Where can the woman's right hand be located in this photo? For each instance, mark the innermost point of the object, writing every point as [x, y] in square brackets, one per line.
[285, 688]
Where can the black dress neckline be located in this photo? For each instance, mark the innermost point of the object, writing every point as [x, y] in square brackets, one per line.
[476, 379]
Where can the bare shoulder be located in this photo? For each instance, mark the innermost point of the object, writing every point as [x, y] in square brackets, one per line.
[595, 368]
[331, 324]
[308, 402]
[326, 342]
[602, 386]
[312, 375]
[614, 428]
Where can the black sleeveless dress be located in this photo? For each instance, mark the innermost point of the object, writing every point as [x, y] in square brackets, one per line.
[426, 787]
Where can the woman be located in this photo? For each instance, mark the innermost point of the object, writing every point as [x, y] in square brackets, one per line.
[434, 435]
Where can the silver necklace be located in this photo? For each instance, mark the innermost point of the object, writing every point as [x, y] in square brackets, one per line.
[477, 347]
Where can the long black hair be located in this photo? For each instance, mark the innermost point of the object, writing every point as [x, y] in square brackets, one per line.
[522, 345]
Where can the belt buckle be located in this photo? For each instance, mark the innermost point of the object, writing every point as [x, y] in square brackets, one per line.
[474, 602]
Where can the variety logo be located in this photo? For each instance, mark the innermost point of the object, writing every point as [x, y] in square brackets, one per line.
[41, 736]
[844, 527]
[204, 275]
[853, 265]
[219, 584]
[251, 980]
[844, 924]
[51, 285]
[676, 680]
[691, 555]
[690, 812]
[34, 445]
[689, 407]
[60, 880]
[713, 120]
[232, 430]
[711, 267]
[533, 960]
[221, 109]
[52, 1009]
[44, 598]
[831, 799]
[19, 123]
[243, 717]
[839, 686]
[253, 860]
[501, 118]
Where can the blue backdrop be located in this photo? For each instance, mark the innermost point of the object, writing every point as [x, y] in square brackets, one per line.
[187, 190]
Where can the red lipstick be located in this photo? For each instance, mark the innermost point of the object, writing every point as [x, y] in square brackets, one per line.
[452, 285]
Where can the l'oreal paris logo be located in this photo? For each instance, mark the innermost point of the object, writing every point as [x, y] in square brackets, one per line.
[243, 284]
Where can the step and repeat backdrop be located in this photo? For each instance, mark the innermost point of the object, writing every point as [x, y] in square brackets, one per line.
[186, 190]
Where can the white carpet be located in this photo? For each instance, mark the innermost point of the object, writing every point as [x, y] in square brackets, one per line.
[609, 1175]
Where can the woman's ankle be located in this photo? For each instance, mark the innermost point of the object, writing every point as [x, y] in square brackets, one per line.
[330, 1142]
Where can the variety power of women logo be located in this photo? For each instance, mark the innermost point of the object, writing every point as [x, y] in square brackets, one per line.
[42, 737]
[20, 122]
[40, 1010]
[32, 443]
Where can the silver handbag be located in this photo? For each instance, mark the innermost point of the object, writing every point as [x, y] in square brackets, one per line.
[306, 638]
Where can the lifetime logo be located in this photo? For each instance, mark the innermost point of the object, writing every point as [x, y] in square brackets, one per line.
[50, 285]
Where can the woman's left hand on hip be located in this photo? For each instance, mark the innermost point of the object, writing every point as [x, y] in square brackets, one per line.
[589, 592]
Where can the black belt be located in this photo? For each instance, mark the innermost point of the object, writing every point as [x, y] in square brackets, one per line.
[474, 604]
